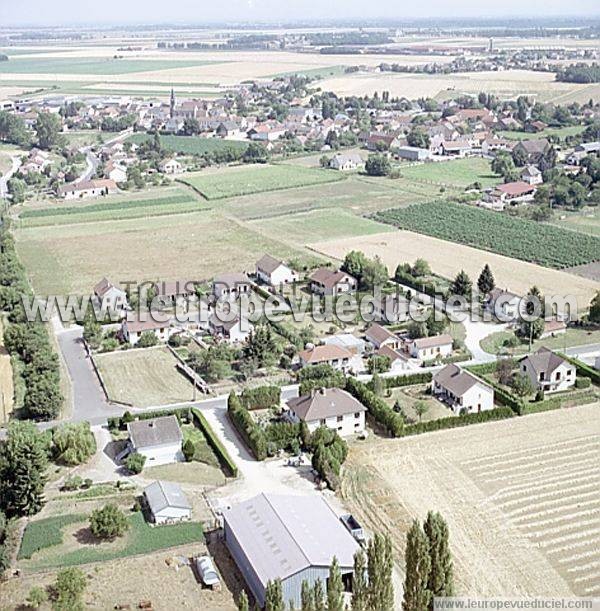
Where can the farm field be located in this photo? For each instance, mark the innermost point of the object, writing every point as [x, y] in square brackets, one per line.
[191, 145]
[527, 240]
[506, 84]
[143, 377]
[586, 222]
[328, 223]
[112, 209]
[456, 173]
[448, 258]
[71, 258]
[559, 132]
[244, 180]
[523, 510]
[358, 194]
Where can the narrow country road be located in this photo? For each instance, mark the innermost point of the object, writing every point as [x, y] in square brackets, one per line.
[16, 164]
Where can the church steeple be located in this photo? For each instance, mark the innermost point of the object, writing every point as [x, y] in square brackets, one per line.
[172, 111]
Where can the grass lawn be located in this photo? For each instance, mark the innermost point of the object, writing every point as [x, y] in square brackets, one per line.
[83, 65]
[573, 337]
[141, 538]
[143, 377]
[319, 225]
[243, 180]
[456, 173]
[408, 396]
[85, 137]
[196, 473]
[45, 533]
[560, 132]
[190, 145]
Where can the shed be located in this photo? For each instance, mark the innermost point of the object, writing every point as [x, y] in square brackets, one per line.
[167, 503]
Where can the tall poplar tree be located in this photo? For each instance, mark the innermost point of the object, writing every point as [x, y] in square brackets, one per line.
[416, 593]
[441, 574]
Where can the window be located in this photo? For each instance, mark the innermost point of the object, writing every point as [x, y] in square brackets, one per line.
[322, 422]
[357, 415]
[340, 418]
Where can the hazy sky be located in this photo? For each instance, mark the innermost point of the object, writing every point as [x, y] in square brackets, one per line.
[52, 12]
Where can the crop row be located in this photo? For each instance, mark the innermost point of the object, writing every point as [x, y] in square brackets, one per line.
[546, 245]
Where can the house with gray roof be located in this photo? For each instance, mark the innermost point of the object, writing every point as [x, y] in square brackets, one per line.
[463, 392]
[166, 503]
[274, 272]
[287, 537]
[158, 439]
[331, 407]
[548, 371]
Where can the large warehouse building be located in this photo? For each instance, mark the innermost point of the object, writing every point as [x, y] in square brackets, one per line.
[292, 538]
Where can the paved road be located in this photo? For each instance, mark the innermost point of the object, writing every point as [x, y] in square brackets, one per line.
[587, 354]
[89, 402]
[16, 164]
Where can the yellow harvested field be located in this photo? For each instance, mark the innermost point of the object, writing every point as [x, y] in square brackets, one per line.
[520, 497]
[509, 83]
[447, 259]
[6, 381]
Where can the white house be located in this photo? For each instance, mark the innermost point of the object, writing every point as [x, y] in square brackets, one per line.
[166, 503]
[109, 296]
[548, 371]
[232, 331]
[325, 281]
[532, 175]
[231, 286]
[412, 153]
[158, 439]
[462, 391]
[274, 272]
[133, 329]
[336, 356]
[398, 361]
[170, 166]
[380, 336]
[115, 172]
[346, 162]
[331, 407]
[428, 348]
[88, 188]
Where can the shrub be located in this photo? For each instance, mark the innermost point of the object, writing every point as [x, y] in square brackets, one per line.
[109, 522]
[72, 482]
[73, 443]
[68, 590]
[135, 463]
[147, 340]
[583, 382]
[188, 449]
[262, 397]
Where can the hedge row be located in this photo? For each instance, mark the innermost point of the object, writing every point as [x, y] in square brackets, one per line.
[583, 369]
[288, 334]
[568, 399]
[408, 380]
[409, 280]
[120, 422]
[27, 341]
[499, 413]
[254, 437]
[262, 397]
[378, 409]
[215, 443]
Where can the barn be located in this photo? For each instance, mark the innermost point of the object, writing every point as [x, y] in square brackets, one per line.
[287, 537]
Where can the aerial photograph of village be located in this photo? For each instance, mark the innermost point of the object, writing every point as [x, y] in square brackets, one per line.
[299, 305]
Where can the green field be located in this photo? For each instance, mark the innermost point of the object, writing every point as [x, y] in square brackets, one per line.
[45, 533]
[80, 65]
[587, 221]
[141, 538]
[318, 225]
[111, 211]
[245, 180]
[559, 132]
[546, 245]
[456, 173]
[192, 145]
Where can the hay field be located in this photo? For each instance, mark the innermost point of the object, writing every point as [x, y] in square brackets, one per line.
[447, 259]
[510, 83]
[143, 377]
[457, 173]
[69, 259]
[520, 497]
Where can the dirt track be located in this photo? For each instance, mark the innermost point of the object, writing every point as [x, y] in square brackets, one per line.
[520, 497]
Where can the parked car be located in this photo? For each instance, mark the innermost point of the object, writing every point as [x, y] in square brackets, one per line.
[207, 572]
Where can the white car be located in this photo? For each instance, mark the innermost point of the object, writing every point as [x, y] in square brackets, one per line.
[208, 573]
